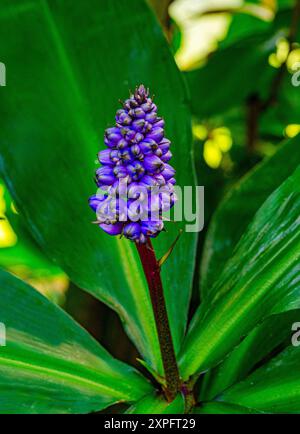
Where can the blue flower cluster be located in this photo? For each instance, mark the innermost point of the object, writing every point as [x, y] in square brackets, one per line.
[136, 183]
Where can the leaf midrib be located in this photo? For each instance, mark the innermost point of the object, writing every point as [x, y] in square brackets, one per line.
[54, 373]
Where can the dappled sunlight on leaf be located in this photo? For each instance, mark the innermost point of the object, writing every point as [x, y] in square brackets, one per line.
[292, 130]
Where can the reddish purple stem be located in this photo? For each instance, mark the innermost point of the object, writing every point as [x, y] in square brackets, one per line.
[152, 273]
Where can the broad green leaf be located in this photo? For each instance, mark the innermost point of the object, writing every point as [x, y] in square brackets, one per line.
[240, 205]
[156, 404]
[223, 408]
[261, 278]
[273, 388]
[272, 334]
[50, 364]
[84, 56]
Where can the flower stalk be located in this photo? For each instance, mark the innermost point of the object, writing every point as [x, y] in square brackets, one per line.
[152, 273]
[135, 187]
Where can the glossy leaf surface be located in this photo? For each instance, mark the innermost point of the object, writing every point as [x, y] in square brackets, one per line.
[262, 278]
[240, 205]
[50, 364]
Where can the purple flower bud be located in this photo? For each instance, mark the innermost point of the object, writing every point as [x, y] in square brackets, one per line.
[151, 117]
[122, 144]
[104, 157]
[138, 125]
[105, 175]
[140, 94]
[132, 231]
[160, 180]
[135, 150]
[139, 113]
[123, 118]
[138, 137]
[148, 145]
[124, 156]
[147, 106]
[158, 152]
[152, 229]
[135, 170]
[110, 131]
[165, 145]
[148, 181]
[160, 123]
[153, 164]
[147, 128]
[131, 103]
[95, 201]
[145, 147]
[156, 134]
[168, 172]
[166, 157]
[115, 229]
[112, 136]
[130, 135]
[120, 171]
[114, 155]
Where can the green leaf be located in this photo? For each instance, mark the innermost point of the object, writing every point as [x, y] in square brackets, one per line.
[223, 408]
[55, 108]
[273, 388]
[20, 255]
[226, 80]
[240, 67]
[156, 404]
[50, 364]
[262, 278]
[242, 26]
[240, 205]
[285, 112]
[272, 334]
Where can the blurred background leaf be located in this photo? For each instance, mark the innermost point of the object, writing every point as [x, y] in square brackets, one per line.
[20, 255]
